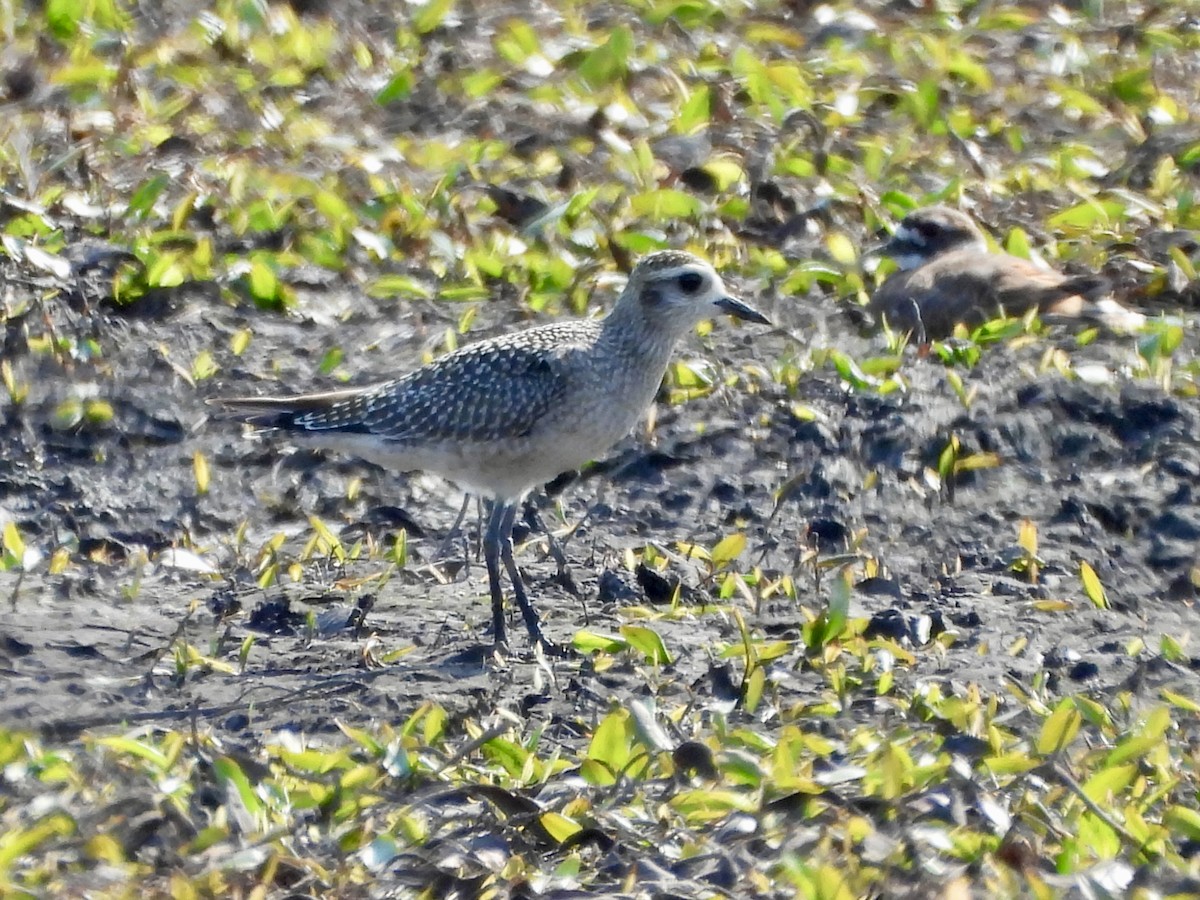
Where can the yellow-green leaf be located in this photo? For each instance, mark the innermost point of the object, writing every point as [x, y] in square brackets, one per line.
[240, 341]
[728, 549]
[648, 642]
[14, 544]
[559, 826]
[841, 248]
[1060, 728]
[590, 642]
[1092, 586]
[612, 742]
[200, 468]
[1027, 537]
[1109, 782]
[1183, 820]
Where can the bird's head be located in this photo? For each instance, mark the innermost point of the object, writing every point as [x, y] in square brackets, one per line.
[926, 233]
[672, 291]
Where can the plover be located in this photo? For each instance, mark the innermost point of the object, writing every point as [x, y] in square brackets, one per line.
[948, 276]
[504, 415]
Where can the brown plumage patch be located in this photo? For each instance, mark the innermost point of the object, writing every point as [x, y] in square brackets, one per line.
[949, 278]
[971, 287]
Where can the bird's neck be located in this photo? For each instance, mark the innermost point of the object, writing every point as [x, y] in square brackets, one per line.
[642, 349]
[628, 330]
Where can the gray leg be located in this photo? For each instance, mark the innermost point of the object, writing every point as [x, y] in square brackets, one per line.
[448, 540]
[498, 534]
[532, 622]
[533, 517]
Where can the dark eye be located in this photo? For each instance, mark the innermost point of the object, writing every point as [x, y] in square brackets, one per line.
[690, 282]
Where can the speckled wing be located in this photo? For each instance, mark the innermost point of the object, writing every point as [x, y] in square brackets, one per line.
[488, 391]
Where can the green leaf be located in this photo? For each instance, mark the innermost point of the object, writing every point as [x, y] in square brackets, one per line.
[63, 18]
[1010, 764]
[141, 204]
[361, 737]
[1184, 821]
[67, 414]
[837, 613]
[665, 204]
[946, 458]
[331, 360]
[14, 544]
[849, 371]
[1138, 745]
[1088, 216]
[1092, 586]
[1017, 244]
[1108, 783]
[327, 538]
[1060, 728]
[700, 806]
[590, 642]
[398, 286]
[695, 111]
[431, 15]
[517, 41]
[753, 689]
[648, 642]
[240, 341]
[612, 742]
[264, 284]
[726, 172]
[204, 366]
[1180, 701]
[559, 826]
[19, 842]
[230, 773]
[610, 61]
[1135, 87]
[728, 549]
[398, 87]
[136, 748]
[841, 248]
[200, 471]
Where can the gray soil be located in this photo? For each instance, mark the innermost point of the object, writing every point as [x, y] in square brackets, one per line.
[1108, 473]
[1107, 467]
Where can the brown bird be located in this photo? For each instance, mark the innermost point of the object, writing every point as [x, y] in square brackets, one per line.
[947, 276]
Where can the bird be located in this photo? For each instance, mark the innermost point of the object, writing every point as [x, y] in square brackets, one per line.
[947, 276]
[504, 415]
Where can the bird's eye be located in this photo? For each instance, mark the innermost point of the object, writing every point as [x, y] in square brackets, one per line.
[690, 282]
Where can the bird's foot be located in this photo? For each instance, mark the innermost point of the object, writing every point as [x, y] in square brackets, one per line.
[552, 649]
[501, 652]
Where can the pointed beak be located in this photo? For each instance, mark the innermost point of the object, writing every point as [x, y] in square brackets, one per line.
[896, 247]
[882, 248]
[740, 310]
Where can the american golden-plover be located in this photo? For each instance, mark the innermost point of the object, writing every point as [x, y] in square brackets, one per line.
[504, 415]
[948, 276]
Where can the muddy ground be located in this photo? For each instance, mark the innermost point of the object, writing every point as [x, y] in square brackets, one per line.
[1108, 473]
[1100, 456]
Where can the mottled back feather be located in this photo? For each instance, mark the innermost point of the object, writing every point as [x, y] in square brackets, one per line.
[455, 397]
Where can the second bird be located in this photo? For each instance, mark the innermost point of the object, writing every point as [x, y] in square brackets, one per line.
[947, 276]
[505, 415]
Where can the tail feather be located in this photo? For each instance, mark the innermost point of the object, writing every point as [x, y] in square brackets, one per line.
[1092, 287]
[305, 412]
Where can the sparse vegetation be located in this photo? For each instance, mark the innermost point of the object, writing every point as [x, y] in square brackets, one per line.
[822, 668]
